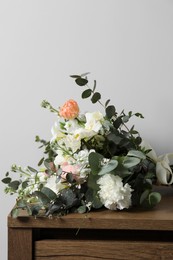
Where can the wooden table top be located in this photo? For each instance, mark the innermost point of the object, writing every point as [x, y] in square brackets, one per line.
[158, 218]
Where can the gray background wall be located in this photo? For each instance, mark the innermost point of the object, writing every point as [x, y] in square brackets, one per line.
[126, 45]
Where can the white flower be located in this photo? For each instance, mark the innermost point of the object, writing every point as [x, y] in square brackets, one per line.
[62, 158]
[54, 184]
[42, 176]
[70, 143]
[113, 194]
[56, 132]
[94, 121]
[71, 125]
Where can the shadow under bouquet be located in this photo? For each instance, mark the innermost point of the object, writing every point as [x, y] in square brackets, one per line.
[93, 160]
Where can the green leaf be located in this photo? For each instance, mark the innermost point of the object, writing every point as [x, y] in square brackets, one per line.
[81, 81]
[125, 119]
[136, 153]
[44, 199]
[114, 138]
[24, 184]
[92, 182]
[110, 111]
[29, 211]
[15, 212]
[82, 209]
[49, 193]
[75, 76]
[47, 165]
[69, 177]
[154, 198]
[6, 180]
[41, 161]
[92, 196]
[110, 166]
[14, 185]
[95, 162]
[96, 97]
[86, 93]
[68, 198]
[32, 169]
[117, 122]
[130, 161]
[144, 196]
[139, 115]
[94, 85]
[107, 102]
[21, 203]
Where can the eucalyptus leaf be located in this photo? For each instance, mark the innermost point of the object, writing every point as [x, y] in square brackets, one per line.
[82, 209]
[138, 154]
[81, 81]
[125, 119]
[15, 212]
[117, 122]
[21, 203]
[110, 111]
[95, 162]
[92, 196]
[44, 199]
[130, 161]
[139, 115]
[87, 93]
[94, 86]
[110, 166]
[96, 97]
[144, 196]
[75, 76]
[107, 102]
[49, 193]
[154, 198]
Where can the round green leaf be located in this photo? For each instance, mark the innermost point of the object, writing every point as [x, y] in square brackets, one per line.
[81, 81]
[110, 111]
[96, 97]
[86, 93]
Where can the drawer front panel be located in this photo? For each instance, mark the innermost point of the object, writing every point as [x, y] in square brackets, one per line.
[100, 249]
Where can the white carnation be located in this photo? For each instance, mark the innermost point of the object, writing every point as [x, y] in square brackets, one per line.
[113, 194]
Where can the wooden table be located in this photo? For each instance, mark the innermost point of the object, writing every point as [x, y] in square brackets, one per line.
[97, 235]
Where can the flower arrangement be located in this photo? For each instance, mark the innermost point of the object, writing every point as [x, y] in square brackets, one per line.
[93, 160]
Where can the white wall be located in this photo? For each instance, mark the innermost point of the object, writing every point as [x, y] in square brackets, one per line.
[126, 45]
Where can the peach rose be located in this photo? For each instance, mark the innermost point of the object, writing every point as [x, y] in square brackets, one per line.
[69, 110]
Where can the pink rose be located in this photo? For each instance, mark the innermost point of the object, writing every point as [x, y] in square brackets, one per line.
[68, 168]
[69, 110]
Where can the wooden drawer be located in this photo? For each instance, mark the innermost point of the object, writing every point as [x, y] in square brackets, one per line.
[100, 244]
[96, 249]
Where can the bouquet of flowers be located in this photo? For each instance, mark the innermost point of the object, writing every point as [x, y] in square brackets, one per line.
[93, 160]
